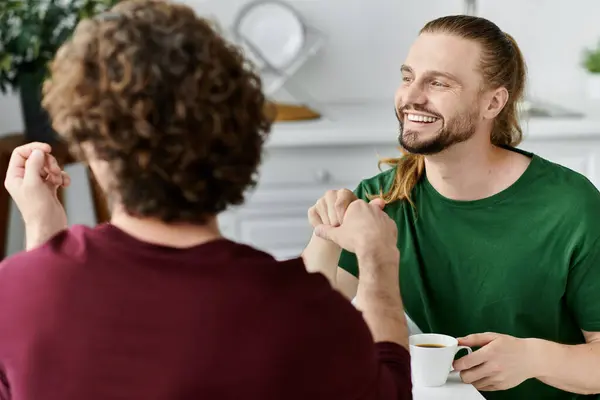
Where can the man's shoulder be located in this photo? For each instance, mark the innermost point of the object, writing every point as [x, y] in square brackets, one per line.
[567, 184]
[48, 251]
[570, 197]
[59, 251]
[32, 280]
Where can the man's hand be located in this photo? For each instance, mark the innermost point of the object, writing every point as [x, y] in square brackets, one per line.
[365, 228]
[331, 208]
[501, 363]
[32, 180]
[372, 235]
[322, 255]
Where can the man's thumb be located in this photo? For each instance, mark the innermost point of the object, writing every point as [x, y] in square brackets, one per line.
[379, 202]
[34, 166]
[326, 232]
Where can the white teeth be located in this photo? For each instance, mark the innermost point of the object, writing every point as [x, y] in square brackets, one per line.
[420, 118]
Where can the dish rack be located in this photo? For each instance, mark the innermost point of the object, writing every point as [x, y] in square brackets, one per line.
[277, 78]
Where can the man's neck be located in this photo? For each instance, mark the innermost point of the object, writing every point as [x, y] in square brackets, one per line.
[170, 235]
[474, 170]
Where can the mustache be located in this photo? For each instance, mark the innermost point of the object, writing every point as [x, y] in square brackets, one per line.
[414, 107]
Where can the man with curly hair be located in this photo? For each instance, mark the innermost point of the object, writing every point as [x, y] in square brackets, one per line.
[157, 304]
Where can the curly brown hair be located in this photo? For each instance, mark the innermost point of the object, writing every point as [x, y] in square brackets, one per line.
[176, 111]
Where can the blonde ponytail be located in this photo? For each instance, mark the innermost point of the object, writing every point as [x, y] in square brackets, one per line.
[507, 129]
[409, 170]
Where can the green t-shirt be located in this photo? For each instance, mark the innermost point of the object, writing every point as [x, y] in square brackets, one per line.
[524, 262]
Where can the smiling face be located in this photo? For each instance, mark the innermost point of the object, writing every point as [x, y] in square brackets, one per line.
[437, 104]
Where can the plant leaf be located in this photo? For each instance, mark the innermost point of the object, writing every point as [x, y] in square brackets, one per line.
[591, 60]
[5, 62]
[32, 31]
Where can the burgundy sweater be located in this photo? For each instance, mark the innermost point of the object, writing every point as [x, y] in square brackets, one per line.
[96, 314]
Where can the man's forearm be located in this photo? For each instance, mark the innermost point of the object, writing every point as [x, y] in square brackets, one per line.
[569, 368]
[38, 234]
[322, 256]
[378, 297]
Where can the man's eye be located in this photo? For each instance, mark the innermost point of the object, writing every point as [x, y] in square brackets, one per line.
[438, 84]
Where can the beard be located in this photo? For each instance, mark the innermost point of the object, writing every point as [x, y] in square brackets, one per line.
[454, 130]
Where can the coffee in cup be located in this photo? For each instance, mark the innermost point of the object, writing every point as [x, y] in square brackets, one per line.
[431, 358]
[431, 345]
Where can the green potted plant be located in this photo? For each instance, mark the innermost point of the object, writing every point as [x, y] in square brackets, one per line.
[31, 33]
[591, 62]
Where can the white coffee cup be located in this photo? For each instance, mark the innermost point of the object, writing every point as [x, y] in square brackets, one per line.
[431, 365]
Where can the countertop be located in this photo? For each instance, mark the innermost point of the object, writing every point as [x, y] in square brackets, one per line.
[454, 389]
[375, 123]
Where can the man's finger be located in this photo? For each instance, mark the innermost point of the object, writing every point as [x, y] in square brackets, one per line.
[321, 209]
[332, 213]
[478, 339]
[484, 384]
[488, 388]
[16, 165]
[55, 179]
[471, 360]
[66, 179]
[34, 166]
[341, 205]
[476, 374]
[379, 202]
[52, 164]
[326, 232]
[345, 197]
[313, 216]
[326, 207]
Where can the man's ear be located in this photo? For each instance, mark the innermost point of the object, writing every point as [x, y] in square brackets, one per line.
[495, 102]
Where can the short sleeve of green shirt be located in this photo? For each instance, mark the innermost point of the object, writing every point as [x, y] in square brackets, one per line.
[366, 188]
[583, 289]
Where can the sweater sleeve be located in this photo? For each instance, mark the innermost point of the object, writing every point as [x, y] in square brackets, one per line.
[394, 378]
[345, 363]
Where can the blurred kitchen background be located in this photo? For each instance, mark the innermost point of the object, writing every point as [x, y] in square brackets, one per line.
[351, 80]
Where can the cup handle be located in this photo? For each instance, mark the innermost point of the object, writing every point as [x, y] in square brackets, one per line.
[459, 348]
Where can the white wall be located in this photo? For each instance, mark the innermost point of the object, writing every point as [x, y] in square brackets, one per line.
[552, 35]
[368, 39]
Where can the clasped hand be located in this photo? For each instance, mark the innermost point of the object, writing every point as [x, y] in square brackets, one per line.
[32, 180]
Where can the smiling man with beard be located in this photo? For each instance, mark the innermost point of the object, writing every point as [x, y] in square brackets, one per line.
[499, 247]
[458, 129]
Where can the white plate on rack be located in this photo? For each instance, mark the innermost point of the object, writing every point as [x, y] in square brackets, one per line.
[275, 31]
